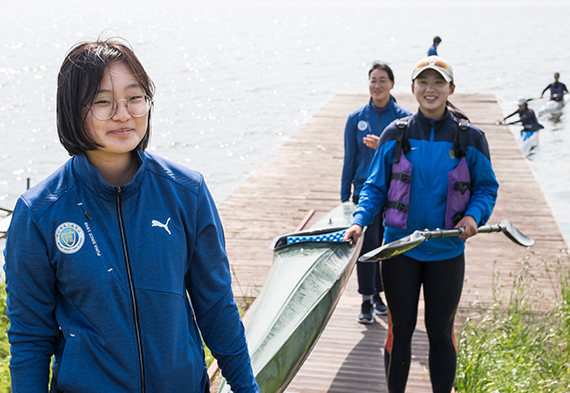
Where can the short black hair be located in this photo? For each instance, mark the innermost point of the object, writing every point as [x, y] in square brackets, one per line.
[436, 39]
[382, 66]
[78, 83]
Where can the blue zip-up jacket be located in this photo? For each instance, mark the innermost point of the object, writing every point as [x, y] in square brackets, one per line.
[100, 277]
[357, 156]
[431, 156]
[432, 51]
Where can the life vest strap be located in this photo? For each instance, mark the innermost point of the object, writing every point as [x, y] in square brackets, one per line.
[460, 142]
[397, 206]
[403, 177]
[402, 141]
[463, 186]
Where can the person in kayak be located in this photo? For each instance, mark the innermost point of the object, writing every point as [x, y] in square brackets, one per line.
[361, 135]
[527, 117]
[432, 51]
[451, 185]
[557, 89]
[116, 264]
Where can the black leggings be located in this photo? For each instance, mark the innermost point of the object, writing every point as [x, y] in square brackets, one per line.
[368, 273]
[442, 281]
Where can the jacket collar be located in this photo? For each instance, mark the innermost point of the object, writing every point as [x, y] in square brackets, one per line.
[94, 182]
[373, 107]
[436, 124]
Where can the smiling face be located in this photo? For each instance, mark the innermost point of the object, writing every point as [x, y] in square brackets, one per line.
[380, 86]
[431, 92]
[122, 133]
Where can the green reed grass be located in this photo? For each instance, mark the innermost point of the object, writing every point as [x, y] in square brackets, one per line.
[515, 345]
[5, 386]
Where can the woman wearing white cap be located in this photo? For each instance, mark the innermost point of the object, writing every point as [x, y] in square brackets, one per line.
[527, 116]
[432, 171]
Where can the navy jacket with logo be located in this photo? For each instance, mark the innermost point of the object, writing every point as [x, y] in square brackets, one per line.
[357, 156]
[101, 277]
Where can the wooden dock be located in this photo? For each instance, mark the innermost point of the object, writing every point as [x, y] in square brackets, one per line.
[303, 175]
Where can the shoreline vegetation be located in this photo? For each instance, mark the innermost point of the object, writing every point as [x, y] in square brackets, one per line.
[515, 344]
[521, 342]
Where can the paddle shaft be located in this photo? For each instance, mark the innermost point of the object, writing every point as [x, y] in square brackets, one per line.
[437, 233]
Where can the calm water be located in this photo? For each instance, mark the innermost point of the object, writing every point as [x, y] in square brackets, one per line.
[234, 82]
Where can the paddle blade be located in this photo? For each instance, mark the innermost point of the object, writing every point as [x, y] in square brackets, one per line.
[395, 248]
[515, 235]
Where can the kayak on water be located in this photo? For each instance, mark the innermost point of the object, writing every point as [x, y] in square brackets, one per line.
[551, 107]
[529, 137]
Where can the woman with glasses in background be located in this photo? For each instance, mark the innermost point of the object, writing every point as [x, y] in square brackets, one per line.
[361, 135]
[116, 263]
[431, 171]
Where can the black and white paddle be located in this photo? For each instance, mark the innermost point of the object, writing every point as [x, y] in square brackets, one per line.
[415, 239]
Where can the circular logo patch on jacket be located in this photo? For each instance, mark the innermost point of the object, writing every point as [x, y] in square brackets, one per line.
[69, 237]
[362, 125]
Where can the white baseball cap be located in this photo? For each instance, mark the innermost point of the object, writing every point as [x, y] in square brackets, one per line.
[434, 63]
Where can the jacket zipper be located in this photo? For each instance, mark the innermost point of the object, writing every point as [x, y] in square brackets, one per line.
[131, 285]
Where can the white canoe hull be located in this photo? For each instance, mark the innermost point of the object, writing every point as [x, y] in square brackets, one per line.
[529, 140]
[553, 107]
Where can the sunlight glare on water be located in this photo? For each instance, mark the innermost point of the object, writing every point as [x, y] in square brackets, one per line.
[234, 82]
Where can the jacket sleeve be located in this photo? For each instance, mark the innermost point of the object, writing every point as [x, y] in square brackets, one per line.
[30, 288]
[349, 166]
[485, 185]
[208, 282]
[375, 189]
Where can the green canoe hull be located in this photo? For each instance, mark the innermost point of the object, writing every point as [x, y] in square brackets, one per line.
[297, 300]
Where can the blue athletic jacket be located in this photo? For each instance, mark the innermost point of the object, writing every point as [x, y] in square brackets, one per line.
[431, 156]
[357, 156]
[99, 277]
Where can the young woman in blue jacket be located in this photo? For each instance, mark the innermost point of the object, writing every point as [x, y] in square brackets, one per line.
[434, 182]
[361, 135]
[116, 263]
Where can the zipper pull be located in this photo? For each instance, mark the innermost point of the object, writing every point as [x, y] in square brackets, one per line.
[85, 212]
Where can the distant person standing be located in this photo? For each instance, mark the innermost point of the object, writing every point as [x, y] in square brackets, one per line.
[557, 89]
[363, 129]
[432, 51]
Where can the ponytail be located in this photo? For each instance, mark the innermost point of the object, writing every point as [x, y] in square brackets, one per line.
[455, 111]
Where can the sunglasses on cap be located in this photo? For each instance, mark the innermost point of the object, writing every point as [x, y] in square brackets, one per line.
[434, 63]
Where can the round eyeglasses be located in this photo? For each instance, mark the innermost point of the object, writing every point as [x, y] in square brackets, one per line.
[105, 108]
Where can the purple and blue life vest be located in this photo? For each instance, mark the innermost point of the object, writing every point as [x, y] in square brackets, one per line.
[459, 180]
